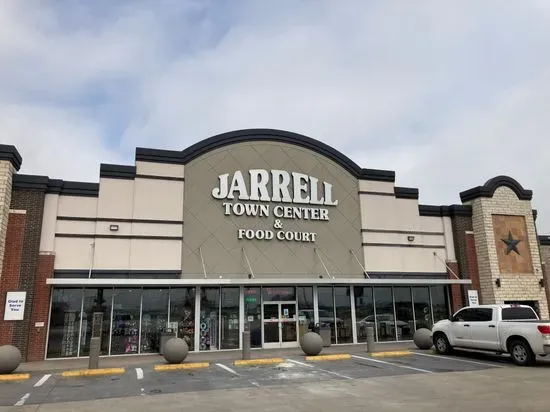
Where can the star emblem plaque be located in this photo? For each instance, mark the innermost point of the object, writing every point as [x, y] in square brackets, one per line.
[511, 244]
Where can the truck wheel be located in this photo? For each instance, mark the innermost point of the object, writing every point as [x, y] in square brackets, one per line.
[441, 344]
[521, 352]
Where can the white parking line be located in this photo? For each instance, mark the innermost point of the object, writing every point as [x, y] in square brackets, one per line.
[392, 364]
[227, 368]
[334, 373]
[42, 380]
[139, 373]
[23, 399]
[459, 360]
[299, 363]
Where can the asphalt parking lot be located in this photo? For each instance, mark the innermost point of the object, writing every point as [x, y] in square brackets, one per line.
[147, 380]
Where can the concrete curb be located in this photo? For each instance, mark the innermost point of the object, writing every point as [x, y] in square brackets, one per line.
[93, 372]
[179, 366]
[264, 361]
[392, 353]
[11, 377]
[341, 356]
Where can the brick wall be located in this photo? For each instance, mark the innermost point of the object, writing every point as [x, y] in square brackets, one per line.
[514, 286]
[471, 256]
[461, 226]
[6, 177]
[456, 290]
[40, 312]
[33, 202]
[15, 234]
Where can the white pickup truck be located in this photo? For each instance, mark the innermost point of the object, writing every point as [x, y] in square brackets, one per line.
[513, 329]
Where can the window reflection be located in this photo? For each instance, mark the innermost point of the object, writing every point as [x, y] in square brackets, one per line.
[253, 315]
[209, 319]
[229, 332]
[364, 311]
[182, 313]
[126, 319]
[404, 312]
[344, 331]
[326, 310]
[385, 319]
[64, 323]
[306, 314]
[422, 312]
[96, 300]
[440, 302]
[154, 318]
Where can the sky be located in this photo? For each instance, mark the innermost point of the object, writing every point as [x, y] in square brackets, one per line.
[448, 94]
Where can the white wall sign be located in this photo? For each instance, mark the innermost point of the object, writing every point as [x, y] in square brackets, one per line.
[15, 306]
[286, 187]
[473, 299]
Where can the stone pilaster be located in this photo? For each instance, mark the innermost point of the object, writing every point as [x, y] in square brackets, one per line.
[509, 201]
[10, 162]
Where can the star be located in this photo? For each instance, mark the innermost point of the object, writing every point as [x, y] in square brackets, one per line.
[511, 244]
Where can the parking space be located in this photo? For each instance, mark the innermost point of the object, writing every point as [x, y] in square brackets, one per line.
[150, 380]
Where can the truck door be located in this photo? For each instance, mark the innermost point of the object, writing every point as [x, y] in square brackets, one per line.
[460, 327]
[483, 329]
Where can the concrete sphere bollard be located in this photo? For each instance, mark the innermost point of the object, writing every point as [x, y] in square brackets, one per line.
[423, 338]
[311, 343]
[10, 358]
[175, 350]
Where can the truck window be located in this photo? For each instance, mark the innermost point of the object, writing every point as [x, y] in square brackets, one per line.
[518, 314]
[483, 315]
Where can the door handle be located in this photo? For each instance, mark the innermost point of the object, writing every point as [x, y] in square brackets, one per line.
[466, 326]
[492, 326]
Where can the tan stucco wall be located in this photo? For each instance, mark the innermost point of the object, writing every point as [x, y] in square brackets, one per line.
[514, 286]
[6, 177]
[159, 169]
[158, 199]
[207, 227]
[116, 198]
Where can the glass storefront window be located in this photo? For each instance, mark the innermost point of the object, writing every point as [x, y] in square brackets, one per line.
[306, 313]
[422, 311]
[96, 300]
[126, 321]
[209, 318]
[64, 323]
[364, 311]
[154, 319]
[229, 318]
[385, 318]
[326, 309]
[440, 302]
[281, 293]
[404, 312]
[253, 315]
[182, 312]
[344, 323]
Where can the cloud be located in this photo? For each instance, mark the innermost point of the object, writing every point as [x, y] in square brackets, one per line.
[447, 96]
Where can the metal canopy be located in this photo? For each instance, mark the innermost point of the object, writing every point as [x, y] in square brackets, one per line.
[199, 280]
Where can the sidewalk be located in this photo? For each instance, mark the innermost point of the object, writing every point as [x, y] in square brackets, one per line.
[137, 360]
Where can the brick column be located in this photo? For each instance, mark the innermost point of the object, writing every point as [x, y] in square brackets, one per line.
[546, 278]
[15, 235]
[456, 289]
[38, 326]
[473, 273]
[6, 178]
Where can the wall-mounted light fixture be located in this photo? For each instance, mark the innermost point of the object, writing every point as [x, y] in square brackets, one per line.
[497, 282]
[113, 228]
[541, 282]
[410, 238]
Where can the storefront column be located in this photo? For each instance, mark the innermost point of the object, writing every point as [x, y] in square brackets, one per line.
[315, 306]
[197, 318]
[353, 321]
[241, 316]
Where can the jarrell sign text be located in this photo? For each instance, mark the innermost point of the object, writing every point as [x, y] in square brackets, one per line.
[304, 194]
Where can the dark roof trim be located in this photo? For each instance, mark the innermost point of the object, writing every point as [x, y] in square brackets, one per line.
[112, 171]
[256, 135]
[44, 184]
[117, 274]
[452, 210]
[544, 240]
[10, 153]
[405, 192]
[488, 189]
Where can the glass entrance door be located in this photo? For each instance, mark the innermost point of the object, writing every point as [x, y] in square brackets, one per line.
[280, 325]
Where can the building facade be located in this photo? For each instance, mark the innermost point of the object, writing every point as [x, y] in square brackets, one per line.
[259, 229]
